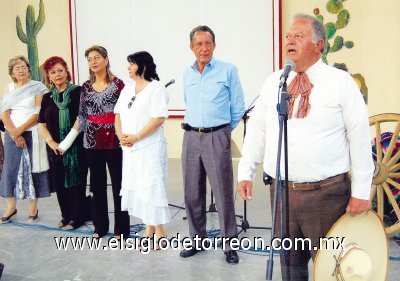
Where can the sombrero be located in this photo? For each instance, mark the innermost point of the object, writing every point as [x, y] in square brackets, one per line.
[363, 255]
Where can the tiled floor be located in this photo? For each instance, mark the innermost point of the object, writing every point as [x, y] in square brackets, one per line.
[29, 250]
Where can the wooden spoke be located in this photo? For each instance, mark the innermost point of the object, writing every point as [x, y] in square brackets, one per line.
[392, 143]
[392, 182]
[378, 142]
[394, 159]
[391, 198]
[394, 204]
[373, 191]
[392, 230]
[394, 175]
[387, 169]
[379, 202]
[394, 168]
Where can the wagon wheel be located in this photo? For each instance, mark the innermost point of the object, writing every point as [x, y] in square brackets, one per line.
[386, 168]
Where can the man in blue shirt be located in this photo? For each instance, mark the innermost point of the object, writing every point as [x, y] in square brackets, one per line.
[214, 106]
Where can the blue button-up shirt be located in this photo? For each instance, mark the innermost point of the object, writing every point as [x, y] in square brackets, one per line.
[214, 97]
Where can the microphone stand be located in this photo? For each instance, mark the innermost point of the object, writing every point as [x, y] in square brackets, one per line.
[173, 205]
[211, 209]
[283, 192]
[244, 225]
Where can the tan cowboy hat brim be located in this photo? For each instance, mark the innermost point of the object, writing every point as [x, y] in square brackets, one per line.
[368, 232]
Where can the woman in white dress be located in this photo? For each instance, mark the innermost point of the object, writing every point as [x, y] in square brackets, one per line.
[140, 113]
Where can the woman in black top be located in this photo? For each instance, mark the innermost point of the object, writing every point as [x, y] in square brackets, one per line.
[68, 170]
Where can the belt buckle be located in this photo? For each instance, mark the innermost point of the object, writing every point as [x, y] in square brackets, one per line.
[201, 130]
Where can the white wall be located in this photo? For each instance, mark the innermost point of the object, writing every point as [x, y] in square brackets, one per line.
[243, 29]
[244, 37]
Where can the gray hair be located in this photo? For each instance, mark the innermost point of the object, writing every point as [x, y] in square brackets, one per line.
[201, 28]
[15, 60]
[317, 26]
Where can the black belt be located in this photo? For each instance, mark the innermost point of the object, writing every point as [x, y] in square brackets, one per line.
[187, 127]
[308, 186]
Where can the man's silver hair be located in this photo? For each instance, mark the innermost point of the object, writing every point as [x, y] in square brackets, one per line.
[318, 27]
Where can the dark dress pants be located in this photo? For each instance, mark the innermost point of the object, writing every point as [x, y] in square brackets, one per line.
[311, 215]
[71, 200]
[209, 154]
[97, 160]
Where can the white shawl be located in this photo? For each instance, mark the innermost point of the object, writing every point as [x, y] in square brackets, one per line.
[40, 161]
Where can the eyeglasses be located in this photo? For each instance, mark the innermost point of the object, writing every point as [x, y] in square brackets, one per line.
[131, 102]
[18, 68]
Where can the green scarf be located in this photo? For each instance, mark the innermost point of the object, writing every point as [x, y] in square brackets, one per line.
[70, 157]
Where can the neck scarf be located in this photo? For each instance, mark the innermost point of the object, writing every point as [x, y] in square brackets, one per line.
[70, 157]
[14, 96]
[302, 86]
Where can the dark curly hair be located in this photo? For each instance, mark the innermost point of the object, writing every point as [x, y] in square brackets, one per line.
[146, 65]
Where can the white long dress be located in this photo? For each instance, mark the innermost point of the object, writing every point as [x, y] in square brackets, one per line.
[144, 170]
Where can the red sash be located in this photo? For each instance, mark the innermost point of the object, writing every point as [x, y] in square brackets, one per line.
[108, 118]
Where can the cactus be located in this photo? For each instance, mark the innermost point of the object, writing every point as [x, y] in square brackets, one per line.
[334, 6]
[343, 17]
[349, 44]
[337, 44]
[32, 29]
[330, 30]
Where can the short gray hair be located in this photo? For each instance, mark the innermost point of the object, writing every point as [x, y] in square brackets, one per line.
[201, 28]
[14, 61]
[318, 27]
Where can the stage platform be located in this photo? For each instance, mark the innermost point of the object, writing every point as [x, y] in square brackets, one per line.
[29, 250]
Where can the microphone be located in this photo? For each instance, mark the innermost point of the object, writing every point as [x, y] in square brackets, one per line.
[289, 66]
[170, 83]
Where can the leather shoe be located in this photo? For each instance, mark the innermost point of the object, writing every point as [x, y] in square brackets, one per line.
[231, 257]
[8, 218]
[189, 252]
[1, 269]
[33, 218]
[192, 251]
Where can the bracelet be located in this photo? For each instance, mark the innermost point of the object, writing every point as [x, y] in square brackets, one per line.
[138, 137]
[48, 139]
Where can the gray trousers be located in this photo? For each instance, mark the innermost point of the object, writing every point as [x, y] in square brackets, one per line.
[209, 154]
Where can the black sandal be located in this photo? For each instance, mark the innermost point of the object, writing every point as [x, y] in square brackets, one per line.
[97, 235]
[63, 223]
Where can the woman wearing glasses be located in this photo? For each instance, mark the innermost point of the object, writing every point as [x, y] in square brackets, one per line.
[68, 170]
[96, 119]
[25, 167]
[140, 113]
